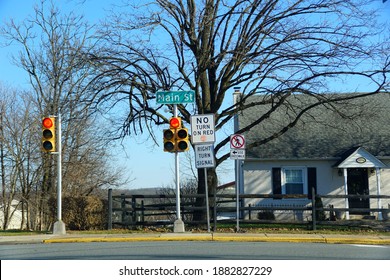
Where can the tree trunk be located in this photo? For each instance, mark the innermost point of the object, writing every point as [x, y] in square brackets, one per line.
[212, 182]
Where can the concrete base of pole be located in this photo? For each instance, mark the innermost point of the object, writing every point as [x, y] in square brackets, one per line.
[178, 226]
[59, 228]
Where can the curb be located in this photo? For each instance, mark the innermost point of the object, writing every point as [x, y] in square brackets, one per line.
[226, 238]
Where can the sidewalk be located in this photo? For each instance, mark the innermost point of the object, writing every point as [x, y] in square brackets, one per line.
[212, 237]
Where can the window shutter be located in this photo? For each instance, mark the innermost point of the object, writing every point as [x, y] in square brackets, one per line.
[276, 181]
[311, 181]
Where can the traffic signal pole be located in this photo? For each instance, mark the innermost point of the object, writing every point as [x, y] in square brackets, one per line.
[178, 226]
[59, 226]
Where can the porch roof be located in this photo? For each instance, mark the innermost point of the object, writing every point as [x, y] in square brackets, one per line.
[360, 158]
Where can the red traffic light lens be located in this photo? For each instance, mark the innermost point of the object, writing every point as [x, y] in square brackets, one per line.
[174, 122]
[47, 123]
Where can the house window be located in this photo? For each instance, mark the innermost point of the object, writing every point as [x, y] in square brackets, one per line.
[293, 182]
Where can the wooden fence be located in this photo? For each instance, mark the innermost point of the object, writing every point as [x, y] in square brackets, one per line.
[152, 210]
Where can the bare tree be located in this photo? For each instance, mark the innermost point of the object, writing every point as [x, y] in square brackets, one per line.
[271, 48]
[52, 47]
[19, 156]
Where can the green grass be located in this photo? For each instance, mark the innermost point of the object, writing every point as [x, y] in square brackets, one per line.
[16, 232]
[228, 228]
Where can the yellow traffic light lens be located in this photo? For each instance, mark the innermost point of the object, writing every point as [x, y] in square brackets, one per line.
[174, 122]
[47, 134]
[47, 122]
[182, 133]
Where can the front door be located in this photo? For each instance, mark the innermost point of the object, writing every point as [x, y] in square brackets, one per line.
[358, 184]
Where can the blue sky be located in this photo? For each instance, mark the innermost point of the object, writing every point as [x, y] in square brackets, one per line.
[148, 164]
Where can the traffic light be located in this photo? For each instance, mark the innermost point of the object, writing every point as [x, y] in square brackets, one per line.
[169, 140]
[49, 134]
[182, 141]
[176, 137]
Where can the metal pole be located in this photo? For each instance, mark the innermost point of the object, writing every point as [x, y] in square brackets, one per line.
[59, 226]
[237, 200]
[236, 95]
[207, 200]
[178, 214]
[59, 171]
[178, 225]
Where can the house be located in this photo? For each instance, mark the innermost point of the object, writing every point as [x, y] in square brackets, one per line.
[339, 149]
[16, 216]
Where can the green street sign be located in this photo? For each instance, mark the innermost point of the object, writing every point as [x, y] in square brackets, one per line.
[175, 97]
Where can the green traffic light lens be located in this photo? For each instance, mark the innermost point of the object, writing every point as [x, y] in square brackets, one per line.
[182, 145]
[47, 145]
[169, 146]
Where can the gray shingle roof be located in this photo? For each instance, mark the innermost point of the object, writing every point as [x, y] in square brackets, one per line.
[322, 133]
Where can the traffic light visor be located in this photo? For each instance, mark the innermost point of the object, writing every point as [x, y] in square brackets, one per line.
[175, 122]
[47, 123]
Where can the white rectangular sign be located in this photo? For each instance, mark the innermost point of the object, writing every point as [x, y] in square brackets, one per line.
[202, 129]
[237, 154]
[204, 156]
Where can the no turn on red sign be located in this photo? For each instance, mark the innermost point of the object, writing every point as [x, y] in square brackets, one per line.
[202, 129]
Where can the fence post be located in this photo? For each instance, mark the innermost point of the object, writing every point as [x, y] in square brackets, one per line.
[142, 212]
[250, 212]
[313, 207]
[123, 206]
[109, 226]
[134, 213]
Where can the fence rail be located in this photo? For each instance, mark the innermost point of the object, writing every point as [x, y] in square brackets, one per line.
[144, 210]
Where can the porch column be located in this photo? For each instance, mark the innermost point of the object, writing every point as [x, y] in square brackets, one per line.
[378, 191]
[346, 193]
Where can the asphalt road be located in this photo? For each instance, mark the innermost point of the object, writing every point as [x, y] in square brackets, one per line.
[199, 250]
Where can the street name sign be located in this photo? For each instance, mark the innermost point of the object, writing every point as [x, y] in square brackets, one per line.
[175, 97]
[204, 156]
[202, 129]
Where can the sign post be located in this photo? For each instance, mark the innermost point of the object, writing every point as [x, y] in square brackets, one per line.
[176, 97]
[203, 138]
[237, 152]
[204, 158]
